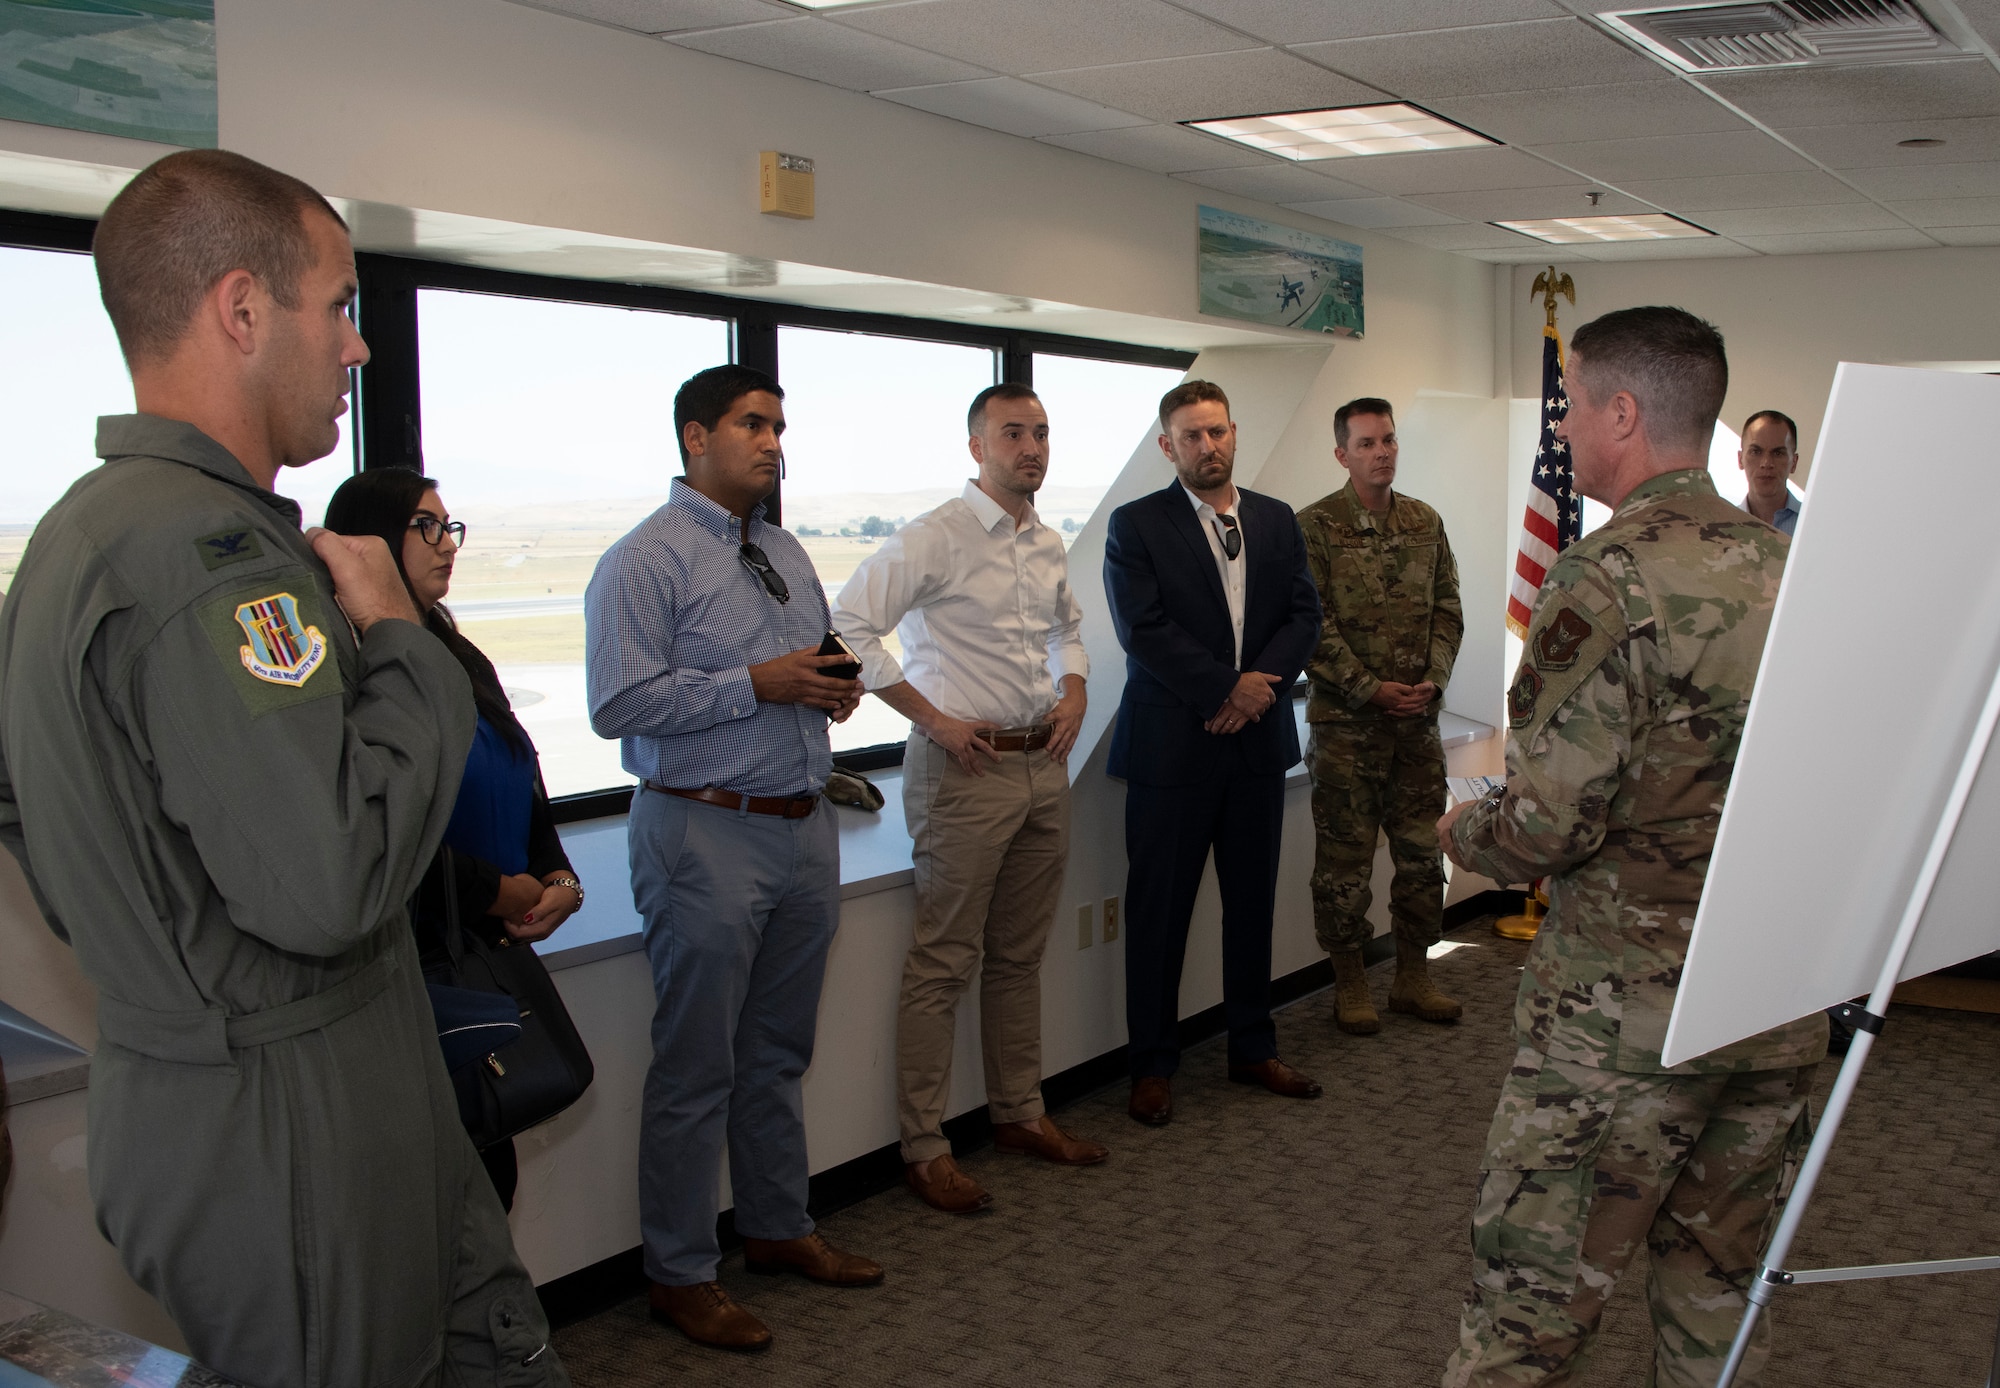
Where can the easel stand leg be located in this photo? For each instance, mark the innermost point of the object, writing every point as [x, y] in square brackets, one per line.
[1868, 1023]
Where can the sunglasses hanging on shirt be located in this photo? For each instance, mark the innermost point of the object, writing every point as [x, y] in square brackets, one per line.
[754, 560]
[1232, 538]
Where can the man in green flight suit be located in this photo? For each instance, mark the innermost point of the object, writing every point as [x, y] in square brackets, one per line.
[1388, 587]
[227, 751]
[1623, 725]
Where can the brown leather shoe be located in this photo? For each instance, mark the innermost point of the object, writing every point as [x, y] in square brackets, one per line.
[946, 1188]
[811, 1257]
[1152, 1101]
[1048, 1142]
[1277, 1077]
[708, 1315]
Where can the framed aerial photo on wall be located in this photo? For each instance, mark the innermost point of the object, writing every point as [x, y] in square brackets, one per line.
[144, 69]
[1279, 276]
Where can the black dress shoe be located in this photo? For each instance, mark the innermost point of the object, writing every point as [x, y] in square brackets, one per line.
[1152, 1101]
[1278, 1077]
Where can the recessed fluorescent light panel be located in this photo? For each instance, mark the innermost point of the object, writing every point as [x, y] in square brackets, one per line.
[1570, 231]
[1346, 133]
[828, 4]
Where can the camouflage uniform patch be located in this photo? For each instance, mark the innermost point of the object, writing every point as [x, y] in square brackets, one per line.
[1388, 589]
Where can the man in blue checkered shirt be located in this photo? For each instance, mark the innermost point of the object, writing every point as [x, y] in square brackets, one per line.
[703, 627]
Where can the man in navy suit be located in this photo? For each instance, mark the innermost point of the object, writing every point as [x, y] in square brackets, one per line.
[1217, 612]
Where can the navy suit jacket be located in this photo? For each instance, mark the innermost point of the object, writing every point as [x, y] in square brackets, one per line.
[1172, 619]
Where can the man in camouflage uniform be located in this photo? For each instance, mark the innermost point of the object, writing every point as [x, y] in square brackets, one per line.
[1388, 589]
[1624, 721]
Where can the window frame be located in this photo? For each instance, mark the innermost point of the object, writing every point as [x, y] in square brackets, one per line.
[389, 405]
[388, 393]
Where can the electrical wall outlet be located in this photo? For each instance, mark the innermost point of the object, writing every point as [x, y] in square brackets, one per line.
[1110, 919]
[1083, 926]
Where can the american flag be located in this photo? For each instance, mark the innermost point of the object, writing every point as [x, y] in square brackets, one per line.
[1554, 520]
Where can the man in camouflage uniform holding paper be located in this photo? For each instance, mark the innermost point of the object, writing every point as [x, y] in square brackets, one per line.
[1624, 721]
[1388, 589]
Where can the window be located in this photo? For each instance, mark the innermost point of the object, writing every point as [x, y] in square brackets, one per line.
[548, 428]
[1100, 412]
[875, 436]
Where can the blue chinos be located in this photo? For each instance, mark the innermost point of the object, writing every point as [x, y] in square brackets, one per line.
[740, 909]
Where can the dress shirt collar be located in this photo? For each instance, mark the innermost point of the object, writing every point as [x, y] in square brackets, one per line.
[708, 514]
[1204, 510]
[991, 513]
[1793, 502]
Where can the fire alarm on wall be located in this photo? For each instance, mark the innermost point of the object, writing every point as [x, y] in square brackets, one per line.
[785, 184]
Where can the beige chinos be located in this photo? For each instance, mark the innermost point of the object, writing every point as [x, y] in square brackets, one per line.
[989, 852]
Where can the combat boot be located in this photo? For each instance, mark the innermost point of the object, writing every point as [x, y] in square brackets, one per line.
[1353, 1013]
[1413, 991]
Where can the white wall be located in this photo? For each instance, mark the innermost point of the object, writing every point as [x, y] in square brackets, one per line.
[1788, 320]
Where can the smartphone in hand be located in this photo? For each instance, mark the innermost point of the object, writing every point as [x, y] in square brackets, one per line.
[835, 645]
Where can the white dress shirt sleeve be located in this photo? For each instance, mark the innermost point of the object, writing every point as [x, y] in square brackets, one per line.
[1066, 653]
[907, 570]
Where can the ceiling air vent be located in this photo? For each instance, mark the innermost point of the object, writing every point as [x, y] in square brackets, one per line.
[1783, 33]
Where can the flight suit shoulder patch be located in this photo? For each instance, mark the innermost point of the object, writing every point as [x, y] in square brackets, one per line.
[226, 547]
[272, 637]
[1565, 647]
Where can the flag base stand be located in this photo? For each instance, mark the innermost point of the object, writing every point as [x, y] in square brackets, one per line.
[1526, 925]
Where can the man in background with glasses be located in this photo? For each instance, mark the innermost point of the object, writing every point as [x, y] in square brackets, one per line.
[993, 682]
[703, 627]
[1388, 586]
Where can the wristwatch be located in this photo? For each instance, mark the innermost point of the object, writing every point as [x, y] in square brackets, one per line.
[572, 884]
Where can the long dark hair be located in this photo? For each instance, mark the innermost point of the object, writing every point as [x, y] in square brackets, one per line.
[382, 501]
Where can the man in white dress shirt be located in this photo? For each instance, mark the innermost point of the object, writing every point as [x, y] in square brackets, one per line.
[992, 678]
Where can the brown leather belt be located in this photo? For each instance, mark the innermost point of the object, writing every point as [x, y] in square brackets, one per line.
[1017, 739]
[783, 806]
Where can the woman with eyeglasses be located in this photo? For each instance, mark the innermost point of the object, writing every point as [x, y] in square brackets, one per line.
[507, 861]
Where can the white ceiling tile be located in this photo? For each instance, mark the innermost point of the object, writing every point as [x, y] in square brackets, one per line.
[1538, 55]
[1017, 36]
[1011, 105]
[1980, 180]
[665, 16]
[1621, 110]
[1251, 83]
[1677, 156]
[1532, 204]
[1164, 149]
[1452, 171]
[1788, 221]
[1968, 236]
[1984, 16]
[1374, 213]
[1308, 21]
[1863, 93]
[1938, 213]
[1741, 190]
[828, 53]
[1875, 146]
[1280, 183]
[1703, 248]
[1818, 242]
[1469, 236]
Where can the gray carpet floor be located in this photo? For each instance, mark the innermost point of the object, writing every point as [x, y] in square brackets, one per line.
[1258, 1240]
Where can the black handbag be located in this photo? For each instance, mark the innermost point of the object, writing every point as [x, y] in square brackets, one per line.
[506, 1083]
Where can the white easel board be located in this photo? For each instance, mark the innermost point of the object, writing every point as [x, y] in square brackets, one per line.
[1883, 647]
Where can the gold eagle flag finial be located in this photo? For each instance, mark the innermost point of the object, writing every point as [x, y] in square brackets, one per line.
[1548, 284]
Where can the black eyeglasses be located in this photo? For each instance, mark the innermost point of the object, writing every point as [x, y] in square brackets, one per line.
[754, 560]
[1232, 538]
[431, 528]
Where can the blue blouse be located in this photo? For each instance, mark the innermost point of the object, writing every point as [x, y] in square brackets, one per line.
[495, 800]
